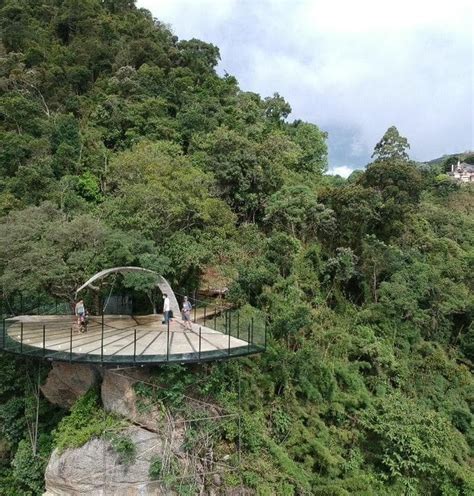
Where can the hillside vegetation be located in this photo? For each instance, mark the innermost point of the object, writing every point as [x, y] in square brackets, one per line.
[120, 145]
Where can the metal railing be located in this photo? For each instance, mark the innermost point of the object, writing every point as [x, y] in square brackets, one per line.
[216, 334]
[38, 305]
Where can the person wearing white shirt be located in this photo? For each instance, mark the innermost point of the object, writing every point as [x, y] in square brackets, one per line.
[166, 308]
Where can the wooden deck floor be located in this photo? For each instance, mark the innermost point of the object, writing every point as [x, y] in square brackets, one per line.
[118, 338]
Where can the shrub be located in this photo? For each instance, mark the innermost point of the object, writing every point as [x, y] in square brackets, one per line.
[156, 467]
[28, 468]
[124, 447]
[86, 421]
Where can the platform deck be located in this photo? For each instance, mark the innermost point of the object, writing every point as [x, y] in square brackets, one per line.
[154, 341]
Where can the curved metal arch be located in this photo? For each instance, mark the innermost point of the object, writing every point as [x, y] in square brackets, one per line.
[162, 283]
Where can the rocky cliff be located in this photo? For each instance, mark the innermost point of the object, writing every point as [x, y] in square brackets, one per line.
[96, 469]
[161, 459]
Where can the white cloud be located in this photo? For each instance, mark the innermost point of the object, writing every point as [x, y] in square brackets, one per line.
[364, 65]
[369, 16]
[192, 14]
[342, 171]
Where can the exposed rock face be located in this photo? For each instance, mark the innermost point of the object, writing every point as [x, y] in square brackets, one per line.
[68, 382]
[95, 469]
[157, 433]
[118, 396]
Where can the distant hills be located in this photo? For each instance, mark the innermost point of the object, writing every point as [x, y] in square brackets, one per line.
[440, 160]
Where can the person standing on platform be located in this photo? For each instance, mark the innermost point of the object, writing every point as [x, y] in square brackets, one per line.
[187, 313]
[80, 312]
[166, 309]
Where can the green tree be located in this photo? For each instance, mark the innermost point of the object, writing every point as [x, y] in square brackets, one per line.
[276, 108]
[313, 145]
[296, 210]
[176, 194]
[243, 178]
[399, 185]
[417, 447]
[41, 252]
[120, 144]
[392, 146]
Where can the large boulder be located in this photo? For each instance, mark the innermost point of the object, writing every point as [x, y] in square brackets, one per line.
[68, 382]
[96, 469]
[158, 433]
[119, 397]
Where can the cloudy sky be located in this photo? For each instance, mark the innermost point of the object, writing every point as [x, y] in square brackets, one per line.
[352, 68]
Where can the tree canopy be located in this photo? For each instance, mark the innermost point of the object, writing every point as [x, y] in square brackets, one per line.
[392, 146]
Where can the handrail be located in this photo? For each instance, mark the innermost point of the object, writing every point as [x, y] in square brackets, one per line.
[105, 343]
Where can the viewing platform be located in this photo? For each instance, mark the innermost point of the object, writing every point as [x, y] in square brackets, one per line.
[49, 332]
[123, 339]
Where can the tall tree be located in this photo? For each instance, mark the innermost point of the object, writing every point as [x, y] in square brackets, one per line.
[392, 146]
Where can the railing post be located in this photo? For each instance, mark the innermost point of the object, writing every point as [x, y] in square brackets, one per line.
[252, 331]
[168, 340]
[134, 345]
[195, 309]
[228, 334]
[21, 338]
[44, 339]
[215, 316]
[102, 342]
[70, 347]
[102, 330]
[199, 342]
[238, 324]
[248, 337]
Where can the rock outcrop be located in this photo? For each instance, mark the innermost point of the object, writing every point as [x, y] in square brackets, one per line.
[68, 382]
[184, 454]
[119, 397]
[95, 469]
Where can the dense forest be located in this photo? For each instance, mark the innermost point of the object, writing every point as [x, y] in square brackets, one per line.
[121, 145]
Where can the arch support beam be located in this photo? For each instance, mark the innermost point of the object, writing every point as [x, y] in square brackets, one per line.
[162, 283]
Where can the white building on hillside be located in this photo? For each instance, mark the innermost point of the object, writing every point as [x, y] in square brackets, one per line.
[462, 172]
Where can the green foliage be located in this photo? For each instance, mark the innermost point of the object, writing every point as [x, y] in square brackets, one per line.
[156, 466]
[124, 447]
[392, 146]
[59, 251]
[87, 421]
[313, 145]
[413, 443]
[88, 187]
[28, 468]
[171, 476]
[22, 469]
[296, 210]
[170, 386]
